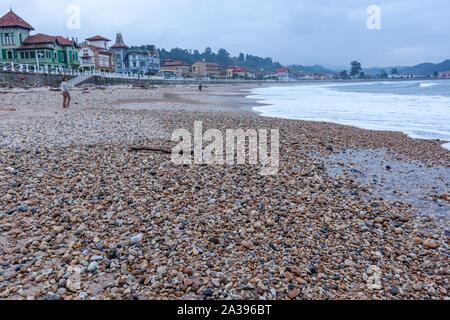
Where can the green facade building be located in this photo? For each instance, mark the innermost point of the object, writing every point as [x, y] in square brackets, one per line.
[18, 46]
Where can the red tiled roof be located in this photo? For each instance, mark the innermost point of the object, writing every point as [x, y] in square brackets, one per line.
[13, 20]
[213, 64]
[63, 41]
[119, 43]
[176, 64]
[98, 38]
[39, 38]
[37, 46]
[282, 70]
[238, 69]
[119, 47]
[43, 38]
[95, 48]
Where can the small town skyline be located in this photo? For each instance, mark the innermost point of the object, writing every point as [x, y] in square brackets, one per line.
[20, 45]
[401, 41]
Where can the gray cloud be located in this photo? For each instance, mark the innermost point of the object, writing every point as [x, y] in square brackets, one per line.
[302, 31]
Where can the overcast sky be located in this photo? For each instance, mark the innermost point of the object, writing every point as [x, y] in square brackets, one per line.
[327, 32]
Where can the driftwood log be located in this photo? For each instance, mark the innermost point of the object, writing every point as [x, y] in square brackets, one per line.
[154, 149]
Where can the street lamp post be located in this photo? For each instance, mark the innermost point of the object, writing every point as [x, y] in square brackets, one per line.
[38, 54]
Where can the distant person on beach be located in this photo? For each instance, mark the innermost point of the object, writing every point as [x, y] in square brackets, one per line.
[200, 87]
[65, 93]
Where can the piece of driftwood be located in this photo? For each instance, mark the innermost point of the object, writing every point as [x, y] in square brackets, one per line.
[153, 149]
[7, 109]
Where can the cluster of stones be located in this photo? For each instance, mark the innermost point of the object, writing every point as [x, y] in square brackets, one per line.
[81, 217]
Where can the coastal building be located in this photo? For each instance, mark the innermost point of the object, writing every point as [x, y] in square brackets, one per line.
[120, 51]
[234, 72]
[18, 46]
[178, 69]
[401, 76]
[270, 76]
[135, 60]
[284, 74]
[208, 69]
[445, 74]
[94, 55]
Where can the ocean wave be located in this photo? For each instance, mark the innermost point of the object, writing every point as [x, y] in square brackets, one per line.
[419, 116]
[427, 85]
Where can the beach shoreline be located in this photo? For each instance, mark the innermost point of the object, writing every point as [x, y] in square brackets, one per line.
[82, 217]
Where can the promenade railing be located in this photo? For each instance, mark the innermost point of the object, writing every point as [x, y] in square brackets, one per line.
[33, 69]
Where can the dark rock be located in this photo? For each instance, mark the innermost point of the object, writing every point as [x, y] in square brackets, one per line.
[214, 240]
[112, 254]
[208, 292]
[394, 291]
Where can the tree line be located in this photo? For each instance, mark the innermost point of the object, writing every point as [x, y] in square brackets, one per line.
[221, 57]
[356, 72]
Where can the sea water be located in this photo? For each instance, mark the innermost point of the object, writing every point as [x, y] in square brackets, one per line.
[420, 109]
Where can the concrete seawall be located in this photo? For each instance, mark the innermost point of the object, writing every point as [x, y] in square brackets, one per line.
[41, 80]
[98, 80]
[32, 79]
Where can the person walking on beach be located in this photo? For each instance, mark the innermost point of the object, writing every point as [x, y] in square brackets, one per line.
[200, 87]
[65, 93]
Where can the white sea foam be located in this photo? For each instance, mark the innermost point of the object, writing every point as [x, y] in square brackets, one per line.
[446, 146]
[427, 85]
[419, 116]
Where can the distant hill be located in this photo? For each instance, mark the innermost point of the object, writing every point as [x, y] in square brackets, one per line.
[266, 64]
[426, 68]
[310, 69]
[420, 69]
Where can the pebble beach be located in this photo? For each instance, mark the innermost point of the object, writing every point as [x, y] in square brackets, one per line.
[351, 214]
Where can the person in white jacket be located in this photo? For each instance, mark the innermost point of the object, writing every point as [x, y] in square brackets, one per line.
[65, 93]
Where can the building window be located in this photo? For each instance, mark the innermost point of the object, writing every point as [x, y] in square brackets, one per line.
[10, 55]
[22, 55]
[8, 39]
